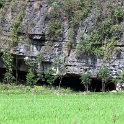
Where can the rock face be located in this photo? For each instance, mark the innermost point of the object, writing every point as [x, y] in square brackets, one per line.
[35, 15]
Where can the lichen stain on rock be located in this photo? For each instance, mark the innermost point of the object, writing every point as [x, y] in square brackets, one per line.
[37, 5]
[49, 10]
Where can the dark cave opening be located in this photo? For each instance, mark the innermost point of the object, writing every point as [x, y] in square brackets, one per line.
[72, 82]
[110, 86]
[21, 76]
[96, 85]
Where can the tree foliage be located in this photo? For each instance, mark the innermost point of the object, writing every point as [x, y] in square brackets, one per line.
[106, 32]
[86, 80]
[31, 78]
[121, 80]
[103, 74]
[50, 76]
[100, 40]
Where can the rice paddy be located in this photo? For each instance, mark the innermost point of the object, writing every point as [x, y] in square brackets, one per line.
[92, 108]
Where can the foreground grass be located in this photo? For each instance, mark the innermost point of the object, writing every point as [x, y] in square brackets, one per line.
[93, 108]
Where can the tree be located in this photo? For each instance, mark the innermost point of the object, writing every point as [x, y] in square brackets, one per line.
[103, 74]
[122, 77]
[9, 42]
[50, 76]
[59, 65]
[30, 78]
[86, 80]
[121, 80]
[34, 68]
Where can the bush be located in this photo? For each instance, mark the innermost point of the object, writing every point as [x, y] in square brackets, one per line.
[30, 78]
[50, 76]
[103, 74]
[8, 78]
[122, 77]
[86, 80]
[116, 31]
[118, 13]
[2, 2]
[54, 30]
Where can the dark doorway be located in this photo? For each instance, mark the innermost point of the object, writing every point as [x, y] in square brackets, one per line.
[73, 83]
[96, 85]
[21, 76]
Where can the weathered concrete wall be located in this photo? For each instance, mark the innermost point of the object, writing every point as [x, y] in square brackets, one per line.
[51, 50]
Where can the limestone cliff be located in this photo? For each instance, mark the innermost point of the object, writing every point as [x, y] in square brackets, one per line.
[36, 22]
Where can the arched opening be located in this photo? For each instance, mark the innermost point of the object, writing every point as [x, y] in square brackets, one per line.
[96, 85]
[110, 86]
[73, 83]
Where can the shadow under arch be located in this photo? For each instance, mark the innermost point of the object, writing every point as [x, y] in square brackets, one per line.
[110, 86]
[96, 85]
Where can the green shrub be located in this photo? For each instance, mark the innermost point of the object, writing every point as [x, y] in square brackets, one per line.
[106, 27]
[55, 4]
[8, 78]
[95, 36]
[50, 76]
[2, 2]
[86, 80]
[116, 31]
[122, 77]
[54, 30]
[118, 13]
[103, 74]
[30, 78]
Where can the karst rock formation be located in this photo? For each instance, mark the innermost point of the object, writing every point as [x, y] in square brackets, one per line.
[57, 29]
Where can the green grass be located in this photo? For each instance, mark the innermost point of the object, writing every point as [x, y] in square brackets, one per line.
[93, 108]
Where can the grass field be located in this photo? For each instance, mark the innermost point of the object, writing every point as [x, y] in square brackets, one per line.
[93, 108]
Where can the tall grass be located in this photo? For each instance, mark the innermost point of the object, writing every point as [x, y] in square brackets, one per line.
[93, 108]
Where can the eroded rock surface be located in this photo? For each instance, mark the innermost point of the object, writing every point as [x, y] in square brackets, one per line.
[75, 63]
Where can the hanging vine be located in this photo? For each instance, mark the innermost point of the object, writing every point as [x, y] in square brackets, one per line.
[10, 40]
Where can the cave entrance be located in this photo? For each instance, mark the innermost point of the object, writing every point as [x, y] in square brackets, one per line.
[110, 86]
[21, 76]
[96, 85]
[73, 83]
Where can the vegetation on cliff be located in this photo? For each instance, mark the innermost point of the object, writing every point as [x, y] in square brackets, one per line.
[100, 40]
